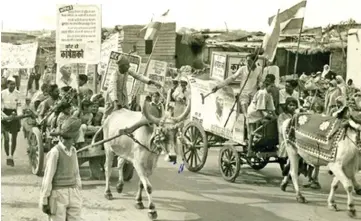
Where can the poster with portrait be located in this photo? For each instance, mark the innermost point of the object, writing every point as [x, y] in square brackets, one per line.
[78, 34]
[214, 112]
[66, 76]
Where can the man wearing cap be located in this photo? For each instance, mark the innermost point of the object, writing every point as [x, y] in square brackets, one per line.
[117, 94]
[60, 195]
[10, 99]
[180, 95]
[46, 105]
[251, 79]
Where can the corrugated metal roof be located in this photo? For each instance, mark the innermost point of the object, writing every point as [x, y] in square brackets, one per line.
[305, 47]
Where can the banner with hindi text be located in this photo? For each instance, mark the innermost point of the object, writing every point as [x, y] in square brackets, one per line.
[78, 34]
[18, 56]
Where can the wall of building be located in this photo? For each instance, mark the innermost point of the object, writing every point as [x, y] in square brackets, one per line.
[338, 62]
[165, 49]
[184, 55]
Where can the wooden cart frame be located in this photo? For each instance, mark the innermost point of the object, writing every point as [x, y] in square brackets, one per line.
[39, 143]
[232, 155]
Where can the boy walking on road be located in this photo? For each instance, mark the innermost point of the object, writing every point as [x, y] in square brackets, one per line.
[60, 195]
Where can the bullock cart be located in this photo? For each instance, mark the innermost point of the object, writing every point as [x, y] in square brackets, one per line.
[40, 142]
[216, 122]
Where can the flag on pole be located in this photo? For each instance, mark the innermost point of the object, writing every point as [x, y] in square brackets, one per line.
[154, 26]
[291, 20]
[270, 40]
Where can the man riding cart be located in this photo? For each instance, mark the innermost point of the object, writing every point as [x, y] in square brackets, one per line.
[250, 98]
[117, 95]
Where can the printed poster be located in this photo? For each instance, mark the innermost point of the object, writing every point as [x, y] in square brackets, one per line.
[234, 63]
[78, 34]
[157, 71]
[218, 66]
[134, 61]
[213, 113]
[108, 46]
[66, 75]
[18, 56]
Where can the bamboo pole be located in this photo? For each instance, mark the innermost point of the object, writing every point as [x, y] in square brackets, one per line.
[298, 45]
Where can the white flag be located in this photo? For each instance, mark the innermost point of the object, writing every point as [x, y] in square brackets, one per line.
[270, 40]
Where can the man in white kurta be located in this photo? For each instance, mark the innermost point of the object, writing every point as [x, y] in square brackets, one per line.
[251, 79]
[272, 69]
[10, 106]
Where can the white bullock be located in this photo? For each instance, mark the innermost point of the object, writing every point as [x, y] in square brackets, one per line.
[344, 166]
[143, 148]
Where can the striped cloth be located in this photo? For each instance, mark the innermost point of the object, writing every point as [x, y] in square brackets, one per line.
[291, 19]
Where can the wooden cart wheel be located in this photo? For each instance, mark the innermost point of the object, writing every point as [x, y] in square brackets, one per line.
[257, 163]
[36, 151]
[229, 163]
[128, 171]
[195, 151]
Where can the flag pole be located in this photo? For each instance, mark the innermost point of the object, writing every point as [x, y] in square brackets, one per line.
[298, 44]
[151, 54]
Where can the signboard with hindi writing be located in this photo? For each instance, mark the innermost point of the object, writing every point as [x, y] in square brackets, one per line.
[109, 45]
[225, 64]
[218, 66]
[78, 34]
[234, 62]
[114, 57]
[157, 71]
[213, 114]
[18, 56]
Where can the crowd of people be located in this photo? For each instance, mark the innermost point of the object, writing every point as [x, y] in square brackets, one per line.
[70, 114]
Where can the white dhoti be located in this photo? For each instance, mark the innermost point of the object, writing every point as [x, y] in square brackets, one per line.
[65, 204]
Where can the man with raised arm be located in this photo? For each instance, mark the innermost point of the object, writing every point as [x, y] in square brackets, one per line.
[254, 74]
[117, 94]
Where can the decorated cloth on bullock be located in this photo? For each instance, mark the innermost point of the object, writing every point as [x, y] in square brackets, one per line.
[317, 134]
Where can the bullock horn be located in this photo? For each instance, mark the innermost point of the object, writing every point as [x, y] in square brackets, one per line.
[148, 115]
[185, 113]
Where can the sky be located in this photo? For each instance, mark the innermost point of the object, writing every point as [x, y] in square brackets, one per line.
[250, 15]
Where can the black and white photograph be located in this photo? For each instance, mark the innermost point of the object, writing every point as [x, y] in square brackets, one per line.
[180, 110]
